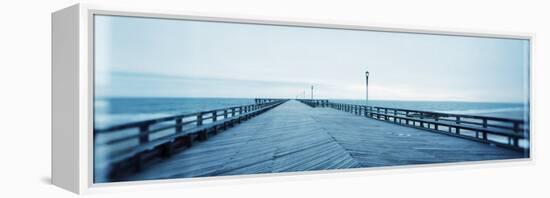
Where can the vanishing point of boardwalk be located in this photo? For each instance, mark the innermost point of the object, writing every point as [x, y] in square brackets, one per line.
[296, 137]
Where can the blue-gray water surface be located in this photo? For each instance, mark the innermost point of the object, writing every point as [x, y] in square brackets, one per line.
[112, 111]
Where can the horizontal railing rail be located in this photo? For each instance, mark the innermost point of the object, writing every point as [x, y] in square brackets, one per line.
[314, 102]
[504, 132]
[266, 100]
[131, 146]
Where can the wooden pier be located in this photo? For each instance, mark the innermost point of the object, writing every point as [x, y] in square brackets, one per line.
[133, 146]
[289, 135]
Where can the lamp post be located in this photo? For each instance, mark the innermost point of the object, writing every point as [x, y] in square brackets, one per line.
[312, 92]
[367, 87]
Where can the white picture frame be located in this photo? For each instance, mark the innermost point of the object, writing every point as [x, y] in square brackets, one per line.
[72, 91]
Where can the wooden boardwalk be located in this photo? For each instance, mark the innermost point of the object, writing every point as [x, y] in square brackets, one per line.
[296, 137]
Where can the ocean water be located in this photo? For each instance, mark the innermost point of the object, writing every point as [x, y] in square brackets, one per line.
[113, 111]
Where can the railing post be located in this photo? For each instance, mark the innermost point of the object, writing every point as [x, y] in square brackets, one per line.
[144, 134]
[214, 116]
[516, 131]
[225, 113]
[232, 111]
[458, 122]
[370, 112]
[178, 125]
[199, 119]
[516, 127]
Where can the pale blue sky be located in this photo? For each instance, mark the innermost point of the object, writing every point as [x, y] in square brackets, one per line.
[146, 57]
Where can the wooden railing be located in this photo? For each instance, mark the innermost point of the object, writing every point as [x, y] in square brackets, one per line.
[503, 132]
[266, 100]
[132, 146]
[314, 102]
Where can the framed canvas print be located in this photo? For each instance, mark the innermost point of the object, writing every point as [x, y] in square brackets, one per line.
[141, 96]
